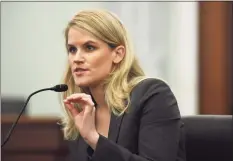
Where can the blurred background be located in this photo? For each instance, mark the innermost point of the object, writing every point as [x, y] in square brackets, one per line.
[187, 44]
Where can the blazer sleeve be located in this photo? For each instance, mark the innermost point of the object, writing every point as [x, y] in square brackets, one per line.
[159, 130]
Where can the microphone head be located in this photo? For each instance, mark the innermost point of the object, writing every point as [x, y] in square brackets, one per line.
[60, 88]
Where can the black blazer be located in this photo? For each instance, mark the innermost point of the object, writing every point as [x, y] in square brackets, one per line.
[151, 131]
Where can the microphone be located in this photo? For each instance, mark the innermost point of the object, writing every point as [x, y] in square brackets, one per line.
[60, 88]
[57, 88]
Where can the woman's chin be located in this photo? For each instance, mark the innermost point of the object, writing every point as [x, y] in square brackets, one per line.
[86, 83]
[82, 83]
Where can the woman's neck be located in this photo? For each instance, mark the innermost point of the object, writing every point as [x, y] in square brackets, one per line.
[98, 95]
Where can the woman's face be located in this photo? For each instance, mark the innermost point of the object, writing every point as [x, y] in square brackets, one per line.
[90, 59]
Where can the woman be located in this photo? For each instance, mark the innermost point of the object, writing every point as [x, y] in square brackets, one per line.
[113, 112]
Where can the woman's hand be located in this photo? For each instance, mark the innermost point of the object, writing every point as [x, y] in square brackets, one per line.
[84, 120]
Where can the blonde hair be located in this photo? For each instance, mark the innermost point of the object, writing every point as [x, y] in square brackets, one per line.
[108, 28]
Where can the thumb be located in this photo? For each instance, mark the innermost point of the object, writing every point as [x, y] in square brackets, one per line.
[74, 112]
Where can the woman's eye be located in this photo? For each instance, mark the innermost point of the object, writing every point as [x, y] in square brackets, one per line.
[90, 47]
[72, 49]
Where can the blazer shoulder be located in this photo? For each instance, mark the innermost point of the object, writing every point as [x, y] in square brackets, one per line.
[146, 85]
[156, 97]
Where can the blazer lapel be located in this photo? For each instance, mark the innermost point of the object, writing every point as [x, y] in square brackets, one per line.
[115, 125]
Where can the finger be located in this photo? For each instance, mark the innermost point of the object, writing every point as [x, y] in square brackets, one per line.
[74, 112]
[77, 96]
[93, 111]
[66, 101]
[88, 101]
[90, 105]
[73, 99]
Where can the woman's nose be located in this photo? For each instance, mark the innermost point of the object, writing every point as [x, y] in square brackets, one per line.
[78, 58]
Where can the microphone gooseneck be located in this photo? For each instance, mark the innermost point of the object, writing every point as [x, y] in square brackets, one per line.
[57, 88]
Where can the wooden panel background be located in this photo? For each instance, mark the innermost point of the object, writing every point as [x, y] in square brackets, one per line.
[215, 84]
[33, 139]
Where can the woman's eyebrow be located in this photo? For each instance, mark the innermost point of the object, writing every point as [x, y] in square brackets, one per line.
[84, 43]
[90, 42]
[70, 45]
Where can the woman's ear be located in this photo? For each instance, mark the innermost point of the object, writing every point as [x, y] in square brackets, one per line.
[119, 53]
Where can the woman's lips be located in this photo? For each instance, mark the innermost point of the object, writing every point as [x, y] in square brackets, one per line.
[80, 71]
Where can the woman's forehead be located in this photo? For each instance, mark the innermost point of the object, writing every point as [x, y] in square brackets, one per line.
[80, 36]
